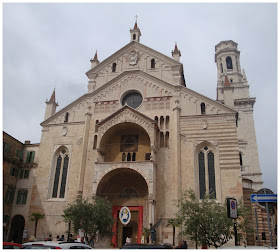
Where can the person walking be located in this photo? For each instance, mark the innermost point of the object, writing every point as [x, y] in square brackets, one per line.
[71, 238]
[61, 238]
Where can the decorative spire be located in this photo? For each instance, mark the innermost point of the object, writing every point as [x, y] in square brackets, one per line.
[176, 54]
[53, 96]
[94, 61]
[135, 32]
[226, 84]
[244, 75]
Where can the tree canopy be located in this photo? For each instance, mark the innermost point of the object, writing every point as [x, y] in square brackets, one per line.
[95, 219]
[205, 221]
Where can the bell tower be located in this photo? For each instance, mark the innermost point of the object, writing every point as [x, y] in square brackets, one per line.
[233, 91]
[135, 33]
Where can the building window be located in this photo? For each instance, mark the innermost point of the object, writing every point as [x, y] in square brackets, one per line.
[166, 139]
[206, 173]
[14, 172]
[167, 122]
[240, 159]
[202, 107]
[95, 142]
[10, 195]
[6, 146]
[229, 62]
[134, 36]
[66, 117]
[222, 68]
[19, 154]
[153, 63]
[61, 169]
[114, 67]
[30, 157]
[133, 100]
[147, 156]
[21, 197]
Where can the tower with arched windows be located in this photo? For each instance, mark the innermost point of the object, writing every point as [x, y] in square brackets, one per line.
[141, 137]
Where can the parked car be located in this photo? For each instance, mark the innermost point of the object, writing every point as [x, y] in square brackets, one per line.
[11, 245]
[247, 247]
[133, 245]
[55, 245]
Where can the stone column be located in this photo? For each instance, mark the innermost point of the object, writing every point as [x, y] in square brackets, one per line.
[152, 211]
[84, 154]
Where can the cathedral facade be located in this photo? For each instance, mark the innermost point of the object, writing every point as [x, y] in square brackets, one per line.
[140, 137]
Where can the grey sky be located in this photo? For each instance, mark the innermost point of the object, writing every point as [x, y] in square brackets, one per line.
[47, 46]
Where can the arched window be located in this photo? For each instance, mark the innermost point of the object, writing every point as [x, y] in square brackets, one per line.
[134, 36]
[134, 156]
[161, 122]
[128, 157]
[153, 63]
[94, 142]
[66, 117]
[240, 159]
[167, 122]
[161, 139]
[222, 68]
[167, 139]
[61, 168]
[202, 107]
[206, 173]
[123, 157]
[114, 66]
[156, 119]
[229, 62]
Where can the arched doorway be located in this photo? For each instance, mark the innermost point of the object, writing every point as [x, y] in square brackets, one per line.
[126, 187]
[16, 230]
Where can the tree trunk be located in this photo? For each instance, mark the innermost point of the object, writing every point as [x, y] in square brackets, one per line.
[173, 235]
[35, 232]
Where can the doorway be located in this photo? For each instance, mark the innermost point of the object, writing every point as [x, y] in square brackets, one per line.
[127, 232]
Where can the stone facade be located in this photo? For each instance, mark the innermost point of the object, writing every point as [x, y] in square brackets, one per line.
[140, 122]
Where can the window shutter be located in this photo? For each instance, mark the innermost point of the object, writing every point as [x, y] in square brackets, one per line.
[16, 172]
[28, 157]
[21, 174]
[24, 197]
[18, 197]
[32, 157]
[21, 155]
[26, 173]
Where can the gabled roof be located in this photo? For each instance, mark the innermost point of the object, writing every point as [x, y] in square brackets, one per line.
[145, 75]
[125, 107]
[126, 48]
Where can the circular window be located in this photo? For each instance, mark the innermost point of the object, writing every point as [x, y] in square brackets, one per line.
[133, 100]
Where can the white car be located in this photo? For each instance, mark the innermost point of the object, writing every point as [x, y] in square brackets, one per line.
[55, 245]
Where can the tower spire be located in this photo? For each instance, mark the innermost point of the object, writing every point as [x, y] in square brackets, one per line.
[94, 61]
[51, 106]
[176, 54]
[135, 32]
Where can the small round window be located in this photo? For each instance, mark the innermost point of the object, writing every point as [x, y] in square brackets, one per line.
[133, 100]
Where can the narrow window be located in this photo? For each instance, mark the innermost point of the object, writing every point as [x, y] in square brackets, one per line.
[161, 139]
[114, 66]
[222, 68]
[161, 122]
[64, 176]
[94, 142]
[134, 156]
[123, 157]
[237, 66]
[167, 122]
[66, 117]
[60, 177]
[240, 159]
[128, 157]
[97, 121]
[56, 178]
[202, 107]
[229, 62]
[211, 175]
[202, 184]
[26, 174]
[153, 63]
[156, 119]
[167, 139]
[134, 36]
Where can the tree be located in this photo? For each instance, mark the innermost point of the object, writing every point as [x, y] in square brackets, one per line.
[206, 221]
[95, 219]
[36, 217]
[174, 222]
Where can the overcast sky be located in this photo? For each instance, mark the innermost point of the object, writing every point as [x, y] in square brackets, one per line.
[47, 46]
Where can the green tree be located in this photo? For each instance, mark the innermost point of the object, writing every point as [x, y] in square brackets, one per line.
[36, 217]
[94, 218]
[205, 221]
[174, 222]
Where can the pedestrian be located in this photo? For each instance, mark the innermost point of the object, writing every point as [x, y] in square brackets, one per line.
[50, 238]
[61, 238]
[91, 243]
[57, 238]
[70, 239]
[179, 245]
[184, 245]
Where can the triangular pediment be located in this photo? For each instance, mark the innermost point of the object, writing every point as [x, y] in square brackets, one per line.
[143, 52]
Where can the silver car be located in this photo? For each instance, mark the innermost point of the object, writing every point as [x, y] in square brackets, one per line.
[55, 245]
